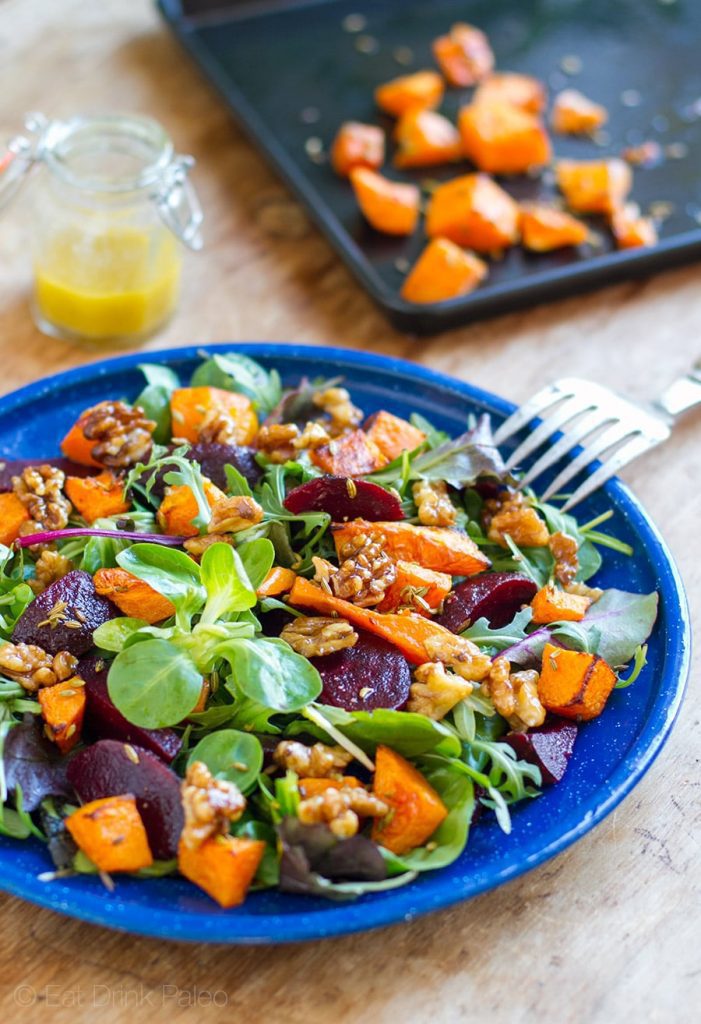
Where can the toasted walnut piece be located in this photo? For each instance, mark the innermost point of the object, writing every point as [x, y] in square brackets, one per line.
[323, 571]
[433, 504]
[196, 546]
[460, 654]
[521, 522]
[365, 571]
[341, 809]
[230, 515]
[40, 489]
[514, 695]
[50, 566]
[313, 436]
[276, 441]
[316, 636]
[435, 692]
[31, 667]
[317, 762]
[217, 428]
[582, 590]
[122, 434]
[564, 549]
[210, 805]
[336, 403]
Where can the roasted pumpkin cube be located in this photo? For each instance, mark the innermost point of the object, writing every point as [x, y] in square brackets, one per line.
[352, 454]
[421, 590]
[190, 409]
[63, 709]
[434, 547]
[522, 91]
[13, 515]
[179, 508]
[419, 91]
[630, 229]
[392, 434]
[223, 867]
[594, 186]
[133, 597]
[544, 228]
[574, 684]
[443, 271]
[392, 207]
[553, 605]
[416, 810]
[473, 211]
[357, 145]
[463, 55]
[314, 787]
[574, 114]
[425, 139]
[502, 139]
[277, 581]
[111, 833]
[96, 497]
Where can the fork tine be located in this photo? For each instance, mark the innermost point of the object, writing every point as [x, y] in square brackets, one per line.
[637, 445]
[600, 444]
[565, 445]
[525, 413]
[570, 408]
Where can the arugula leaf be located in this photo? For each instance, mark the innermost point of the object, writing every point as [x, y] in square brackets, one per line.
[434, 437]
[231, 755]
[502, 637]
[233, 371]
[270, 673]
[154, 684]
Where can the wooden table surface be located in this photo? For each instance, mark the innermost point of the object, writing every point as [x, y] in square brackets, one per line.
[606, 932]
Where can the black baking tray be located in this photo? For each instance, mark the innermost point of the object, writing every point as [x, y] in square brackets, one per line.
[292, 72]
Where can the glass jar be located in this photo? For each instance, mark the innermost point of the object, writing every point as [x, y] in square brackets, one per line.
[109, 222]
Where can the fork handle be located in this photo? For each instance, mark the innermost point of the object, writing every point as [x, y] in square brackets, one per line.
[682, 394]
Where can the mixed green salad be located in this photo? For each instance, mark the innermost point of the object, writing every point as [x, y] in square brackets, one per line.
[256, 637]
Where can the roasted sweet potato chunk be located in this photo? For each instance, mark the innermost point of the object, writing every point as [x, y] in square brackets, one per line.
[179, 508]
[630, 229]
[96, 497]
[352, 454]
[193, 408]
[594, 186]
[434, 547]
[133, 596]
[573, 684]
[223, 866]
[553, 605]
[473, 211]
[443, 271]
[421, 90]
[544, 228]
[63, 710]
[416, 808]
[392, 434]
[111, 833]
[502, 139]
[422, 590]
[463, 55]
[391, 207]
[574, 114]
[426, 139]
[357, 145]
[522, 91]
[278, 581]
[12, 515]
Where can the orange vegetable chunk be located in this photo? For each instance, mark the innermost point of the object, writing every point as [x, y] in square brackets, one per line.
[96, 497]
[474, 212]
[352, 454]
[111, 833]
[574, 114]
[630, 229]
[433, 547]
[223, 866]
[313, 787]
[191, 407]
[416, 808]
[12, 515]
[77, 446]
[544, 228]
[278, 581]
[501, 139]
[553, 605]
[573, 684]
[357, 145]
[425, 139]
[423, 590]
[522, 91]
[179, 508]
[594, 186]
[133, 596]
[463, 55]
[63, 710]
[392, 434]
[419, 91]
[391, 207]
[443, 271]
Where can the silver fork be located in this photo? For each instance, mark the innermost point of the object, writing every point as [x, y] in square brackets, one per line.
[611, 428]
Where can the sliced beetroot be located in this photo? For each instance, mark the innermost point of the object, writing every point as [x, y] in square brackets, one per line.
[13, 467]
[113, 768]
[212, 459]
[495, 596]
[345, 499]
[65, 616]
[372, 674]
[549, 747]
[104, 721]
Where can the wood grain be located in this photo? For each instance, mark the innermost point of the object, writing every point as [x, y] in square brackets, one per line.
[607, 932]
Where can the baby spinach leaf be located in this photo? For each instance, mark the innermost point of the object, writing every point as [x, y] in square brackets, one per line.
[114, 634]
[235, 372]
[270, 673]
[155, 403]
[160, 376]
[172, 573]
[154, 684]
[231, 755]
[226, 582]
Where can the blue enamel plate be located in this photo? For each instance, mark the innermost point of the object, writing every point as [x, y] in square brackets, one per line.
[612, 753]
